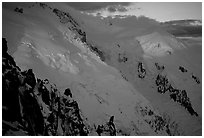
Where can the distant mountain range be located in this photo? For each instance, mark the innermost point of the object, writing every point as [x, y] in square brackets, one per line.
[189, 28]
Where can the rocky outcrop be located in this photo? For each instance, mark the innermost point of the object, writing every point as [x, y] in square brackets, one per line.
[107, 129]
[197, 80]
[182, 69]
[98, 51]
[162, 83]
[141, 70]
[159, 122]
[36, 107]
[179, 96]
[159, 67]
[19, 10]
[66, 18]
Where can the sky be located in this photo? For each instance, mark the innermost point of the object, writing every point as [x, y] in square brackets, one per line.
[90, 6]
[160, 11]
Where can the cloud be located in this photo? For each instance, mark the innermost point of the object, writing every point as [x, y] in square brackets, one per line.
[160, 11]
[122, 9]
[114, 8]
[111, 9]
[92, 6]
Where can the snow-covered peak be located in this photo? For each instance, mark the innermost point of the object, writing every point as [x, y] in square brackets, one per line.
[157, 44]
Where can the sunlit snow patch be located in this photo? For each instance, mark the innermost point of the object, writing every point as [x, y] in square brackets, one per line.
[156, 44]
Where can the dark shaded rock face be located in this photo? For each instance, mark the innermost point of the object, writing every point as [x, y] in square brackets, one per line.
[68, 92]
[35, 107]
[141, 70]
[179, 96]
[18, 101]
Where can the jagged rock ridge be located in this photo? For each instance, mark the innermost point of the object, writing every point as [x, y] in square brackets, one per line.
[35, 107]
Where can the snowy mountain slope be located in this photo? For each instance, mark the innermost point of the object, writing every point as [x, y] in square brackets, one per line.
[56, 47]
[130, 62]
[37, 40]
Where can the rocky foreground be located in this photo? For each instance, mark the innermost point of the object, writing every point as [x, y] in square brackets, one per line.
[35, 107]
